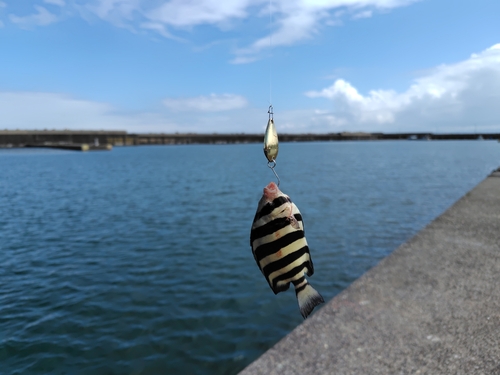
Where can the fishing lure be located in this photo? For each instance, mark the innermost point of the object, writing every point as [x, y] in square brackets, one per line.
[271, 144]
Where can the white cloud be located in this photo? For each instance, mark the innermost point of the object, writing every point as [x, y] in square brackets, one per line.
[118, 12]
[187, 13]
[293, 20]
[211, 103]
[42, 110]
[160, 29]
[39, 110]
[460, 97]
[2, 5]
[42, 18]
[299, 20]
[457, 96]
[298, 24]
[60, 3]
[363, 14]
[243, 59]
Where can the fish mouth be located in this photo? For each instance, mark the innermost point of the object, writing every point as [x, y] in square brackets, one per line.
[271, 191]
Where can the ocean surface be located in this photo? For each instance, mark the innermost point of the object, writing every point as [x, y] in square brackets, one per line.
[137, 261]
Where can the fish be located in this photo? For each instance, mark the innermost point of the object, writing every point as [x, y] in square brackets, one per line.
[280, 248]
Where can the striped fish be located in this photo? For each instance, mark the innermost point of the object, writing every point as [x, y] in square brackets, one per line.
[280, 248]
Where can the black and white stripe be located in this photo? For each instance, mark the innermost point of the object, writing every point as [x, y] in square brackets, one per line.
[280, 248]
[281, 251]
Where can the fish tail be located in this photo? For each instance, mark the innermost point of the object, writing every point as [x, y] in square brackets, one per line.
[308, 298]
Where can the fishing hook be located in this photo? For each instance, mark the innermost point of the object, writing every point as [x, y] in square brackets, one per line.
[272, 164]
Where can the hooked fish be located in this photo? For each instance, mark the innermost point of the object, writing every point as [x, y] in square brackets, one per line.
[280, 248]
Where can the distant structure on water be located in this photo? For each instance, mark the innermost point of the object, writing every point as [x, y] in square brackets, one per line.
[105, 140]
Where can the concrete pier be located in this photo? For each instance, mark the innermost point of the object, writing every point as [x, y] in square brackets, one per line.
[431, 307]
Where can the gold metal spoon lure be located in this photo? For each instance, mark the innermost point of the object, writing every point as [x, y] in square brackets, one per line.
[271, 139]
[271, 146]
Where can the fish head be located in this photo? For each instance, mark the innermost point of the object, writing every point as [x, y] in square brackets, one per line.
[271, 192]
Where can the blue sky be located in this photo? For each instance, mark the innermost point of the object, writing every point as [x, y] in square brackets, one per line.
[208, 65]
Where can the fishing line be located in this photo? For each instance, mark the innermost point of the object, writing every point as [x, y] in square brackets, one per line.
[270, 52]
[270, 136]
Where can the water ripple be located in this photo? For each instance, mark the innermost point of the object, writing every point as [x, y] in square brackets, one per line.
[137, 261]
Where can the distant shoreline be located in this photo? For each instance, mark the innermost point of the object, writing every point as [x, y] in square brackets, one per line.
[32, 138]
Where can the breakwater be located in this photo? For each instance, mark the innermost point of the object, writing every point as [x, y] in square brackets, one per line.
[431, 307]
[22, 138]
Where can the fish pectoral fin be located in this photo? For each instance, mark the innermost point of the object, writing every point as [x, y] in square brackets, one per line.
[293, 222]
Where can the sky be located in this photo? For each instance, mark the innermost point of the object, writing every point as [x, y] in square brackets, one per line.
[215, 66]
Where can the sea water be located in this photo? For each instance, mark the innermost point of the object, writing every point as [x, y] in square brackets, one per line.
[137, 261]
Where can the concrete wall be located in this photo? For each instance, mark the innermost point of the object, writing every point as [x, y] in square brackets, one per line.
[431, 307]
